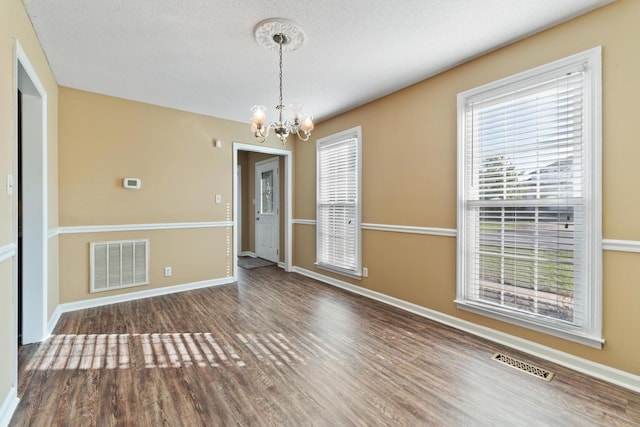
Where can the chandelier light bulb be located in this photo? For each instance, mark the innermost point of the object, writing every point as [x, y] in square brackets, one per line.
[307, 125]
[296, 113]
[259, 116]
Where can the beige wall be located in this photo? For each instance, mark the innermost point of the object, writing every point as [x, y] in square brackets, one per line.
[7, 331]
[15, 25]
[104, 139]
[53, 296]
[243, 162]
[409, 178]
[193, 254]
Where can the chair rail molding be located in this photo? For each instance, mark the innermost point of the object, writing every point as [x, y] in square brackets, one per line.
[141, 227]
[621, 245]
[431, 231]
[7, 251]
[305, 221]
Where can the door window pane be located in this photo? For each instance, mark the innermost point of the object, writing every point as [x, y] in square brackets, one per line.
[266, 190]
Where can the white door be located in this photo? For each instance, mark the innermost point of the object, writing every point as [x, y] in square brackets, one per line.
[267, 210]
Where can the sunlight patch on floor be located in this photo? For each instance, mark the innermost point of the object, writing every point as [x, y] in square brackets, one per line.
[176, 350]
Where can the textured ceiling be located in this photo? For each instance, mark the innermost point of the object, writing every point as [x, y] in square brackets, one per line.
[200, 55]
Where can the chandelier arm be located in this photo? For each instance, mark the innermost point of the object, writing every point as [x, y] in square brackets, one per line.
[261, 132]
[305, 137]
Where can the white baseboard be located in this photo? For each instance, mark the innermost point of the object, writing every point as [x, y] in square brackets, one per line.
[8, 407]
[597, 370]
[97, 302]
[249, 253]
[54, 320]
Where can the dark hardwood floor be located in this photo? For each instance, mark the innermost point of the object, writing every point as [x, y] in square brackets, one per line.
[282, 349]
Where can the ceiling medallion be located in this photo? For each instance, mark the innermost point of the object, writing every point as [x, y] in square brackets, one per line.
[265, 31]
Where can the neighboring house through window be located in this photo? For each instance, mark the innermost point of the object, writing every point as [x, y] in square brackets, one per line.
[529, 208]
[338, 201]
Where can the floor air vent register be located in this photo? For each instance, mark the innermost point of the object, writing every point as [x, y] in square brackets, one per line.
[524, 366]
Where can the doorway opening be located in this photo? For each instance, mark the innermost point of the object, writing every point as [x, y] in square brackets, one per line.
[257, 201]
[30, 221]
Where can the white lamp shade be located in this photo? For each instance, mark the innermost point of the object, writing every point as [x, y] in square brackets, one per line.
[307, 124]
[259, 116]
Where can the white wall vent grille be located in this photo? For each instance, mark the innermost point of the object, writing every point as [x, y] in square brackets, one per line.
[120, 264]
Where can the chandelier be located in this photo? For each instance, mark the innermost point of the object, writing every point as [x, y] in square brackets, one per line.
[283, 35]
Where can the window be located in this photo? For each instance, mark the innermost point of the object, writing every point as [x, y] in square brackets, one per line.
[338, 203]
[529, 210]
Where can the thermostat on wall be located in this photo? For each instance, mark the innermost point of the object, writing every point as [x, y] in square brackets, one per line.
[133, 183]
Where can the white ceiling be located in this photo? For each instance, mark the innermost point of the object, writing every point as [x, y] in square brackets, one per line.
[200, 55]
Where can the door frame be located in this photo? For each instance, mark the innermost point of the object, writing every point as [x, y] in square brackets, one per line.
[35, 203]
[271, 160]
[239, 195]
[285, 192]
[35, 237]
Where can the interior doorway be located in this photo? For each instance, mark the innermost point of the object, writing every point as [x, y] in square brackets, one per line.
[30, 221]
[248, 214]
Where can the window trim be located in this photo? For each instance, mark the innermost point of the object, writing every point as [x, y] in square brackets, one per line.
[356, 133]
[590, 333]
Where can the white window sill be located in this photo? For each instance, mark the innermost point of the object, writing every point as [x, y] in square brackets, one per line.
[576, 335]
[340, 271]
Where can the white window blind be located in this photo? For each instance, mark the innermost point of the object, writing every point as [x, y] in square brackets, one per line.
[528, 224]
[338, 202]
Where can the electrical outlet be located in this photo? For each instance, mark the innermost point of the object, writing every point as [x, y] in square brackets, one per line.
[365, 272]
[218, 198]
[167, 271]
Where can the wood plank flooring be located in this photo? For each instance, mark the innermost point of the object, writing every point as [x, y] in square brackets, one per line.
[281, 349]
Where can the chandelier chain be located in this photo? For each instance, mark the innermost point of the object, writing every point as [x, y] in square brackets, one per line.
[281, 107]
